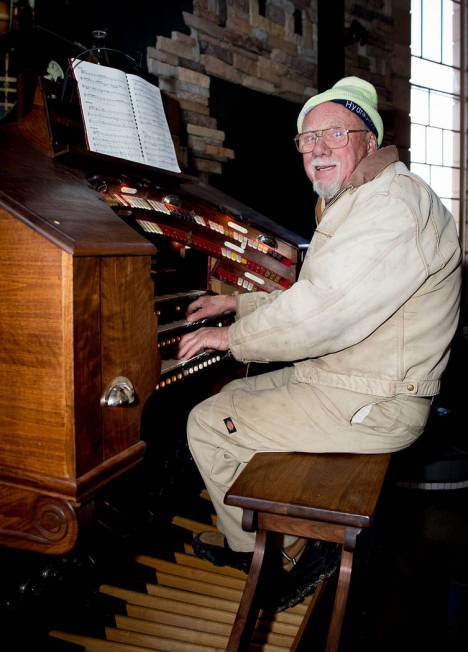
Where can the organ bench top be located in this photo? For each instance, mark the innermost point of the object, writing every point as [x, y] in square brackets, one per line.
[331, 487]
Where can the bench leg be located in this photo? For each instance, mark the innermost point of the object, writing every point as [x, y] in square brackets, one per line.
[249, 606]
[342, 589]
[341, 598]
[339, 606]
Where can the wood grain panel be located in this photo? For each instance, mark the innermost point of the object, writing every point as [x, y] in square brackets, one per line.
[87, 363]
[35, 382]
[128, 343]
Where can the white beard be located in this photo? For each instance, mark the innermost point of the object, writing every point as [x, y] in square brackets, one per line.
[326, 191]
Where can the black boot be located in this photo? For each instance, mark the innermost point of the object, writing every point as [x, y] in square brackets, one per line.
[207, 545]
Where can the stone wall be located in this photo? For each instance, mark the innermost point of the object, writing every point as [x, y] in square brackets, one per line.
[232, 40]
[271, 47]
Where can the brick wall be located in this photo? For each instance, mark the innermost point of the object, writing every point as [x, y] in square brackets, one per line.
[276, 54]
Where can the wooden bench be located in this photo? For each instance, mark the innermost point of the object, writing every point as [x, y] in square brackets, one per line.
[330, 497]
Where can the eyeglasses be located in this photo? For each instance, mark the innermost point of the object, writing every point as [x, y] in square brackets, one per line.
[333, 138]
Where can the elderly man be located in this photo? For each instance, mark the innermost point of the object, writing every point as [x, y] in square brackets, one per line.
[368, 324]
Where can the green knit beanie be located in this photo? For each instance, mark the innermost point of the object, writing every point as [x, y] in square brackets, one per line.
[356, 95]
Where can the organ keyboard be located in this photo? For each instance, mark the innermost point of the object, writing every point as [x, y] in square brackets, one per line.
[94, 252]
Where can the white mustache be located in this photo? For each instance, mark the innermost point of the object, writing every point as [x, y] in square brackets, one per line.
[323, 161]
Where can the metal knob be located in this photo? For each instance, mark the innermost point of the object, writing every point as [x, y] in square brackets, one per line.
[118, 393]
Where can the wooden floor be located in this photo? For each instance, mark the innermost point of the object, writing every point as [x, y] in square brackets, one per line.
[190, 607]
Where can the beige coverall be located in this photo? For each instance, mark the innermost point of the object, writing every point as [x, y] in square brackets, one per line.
[368, 326]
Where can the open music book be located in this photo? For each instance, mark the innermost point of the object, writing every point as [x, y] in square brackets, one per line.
[124, 116]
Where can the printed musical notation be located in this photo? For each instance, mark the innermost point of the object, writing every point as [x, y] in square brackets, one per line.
[124, 116]
[156, 142]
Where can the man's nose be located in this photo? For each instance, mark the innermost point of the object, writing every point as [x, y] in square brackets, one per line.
[320, 147]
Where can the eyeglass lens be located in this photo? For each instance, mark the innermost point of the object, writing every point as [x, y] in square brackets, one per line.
[332, 138]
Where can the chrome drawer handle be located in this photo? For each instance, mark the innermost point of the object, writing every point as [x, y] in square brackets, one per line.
[118, 393]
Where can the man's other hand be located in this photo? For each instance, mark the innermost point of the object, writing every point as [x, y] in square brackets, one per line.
[211, 306]
[201, 339]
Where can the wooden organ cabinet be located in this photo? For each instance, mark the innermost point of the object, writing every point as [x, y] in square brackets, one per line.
[94, 253]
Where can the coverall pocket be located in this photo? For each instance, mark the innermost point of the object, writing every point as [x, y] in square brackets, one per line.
[379, 415]
[355, 408]
[398, 415]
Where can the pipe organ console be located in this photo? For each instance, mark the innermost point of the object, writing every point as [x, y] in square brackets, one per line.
[199, 243]
[99, 259]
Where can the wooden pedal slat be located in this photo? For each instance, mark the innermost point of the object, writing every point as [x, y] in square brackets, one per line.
[195, 562]
[183, 609]
[282, 617]
[172, 604]
[132, 597]
[96, 644]
[216, 603]
[193, 598]
[192, 526]
[216, 621]
[275, 626]
[206, 625]
[188, 559]
[224, 610]
[156, 642]
[165, 598]
[176, 645]
[171, 568]
[189, 621]
[262, 637]
[199, 587]
[225, 595]
[172, 632]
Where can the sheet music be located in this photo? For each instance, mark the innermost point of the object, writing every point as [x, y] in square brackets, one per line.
[107, 111]
[155, 137]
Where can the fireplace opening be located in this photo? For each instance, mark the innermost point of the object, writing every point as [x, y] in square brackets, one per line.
[267, 172]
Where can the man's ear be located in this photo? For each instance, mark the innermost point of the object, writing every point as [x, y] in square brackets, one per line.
[371, 143]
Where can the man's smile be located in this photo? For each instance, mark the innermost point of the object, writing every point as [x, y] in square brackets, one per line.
[324, 167]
